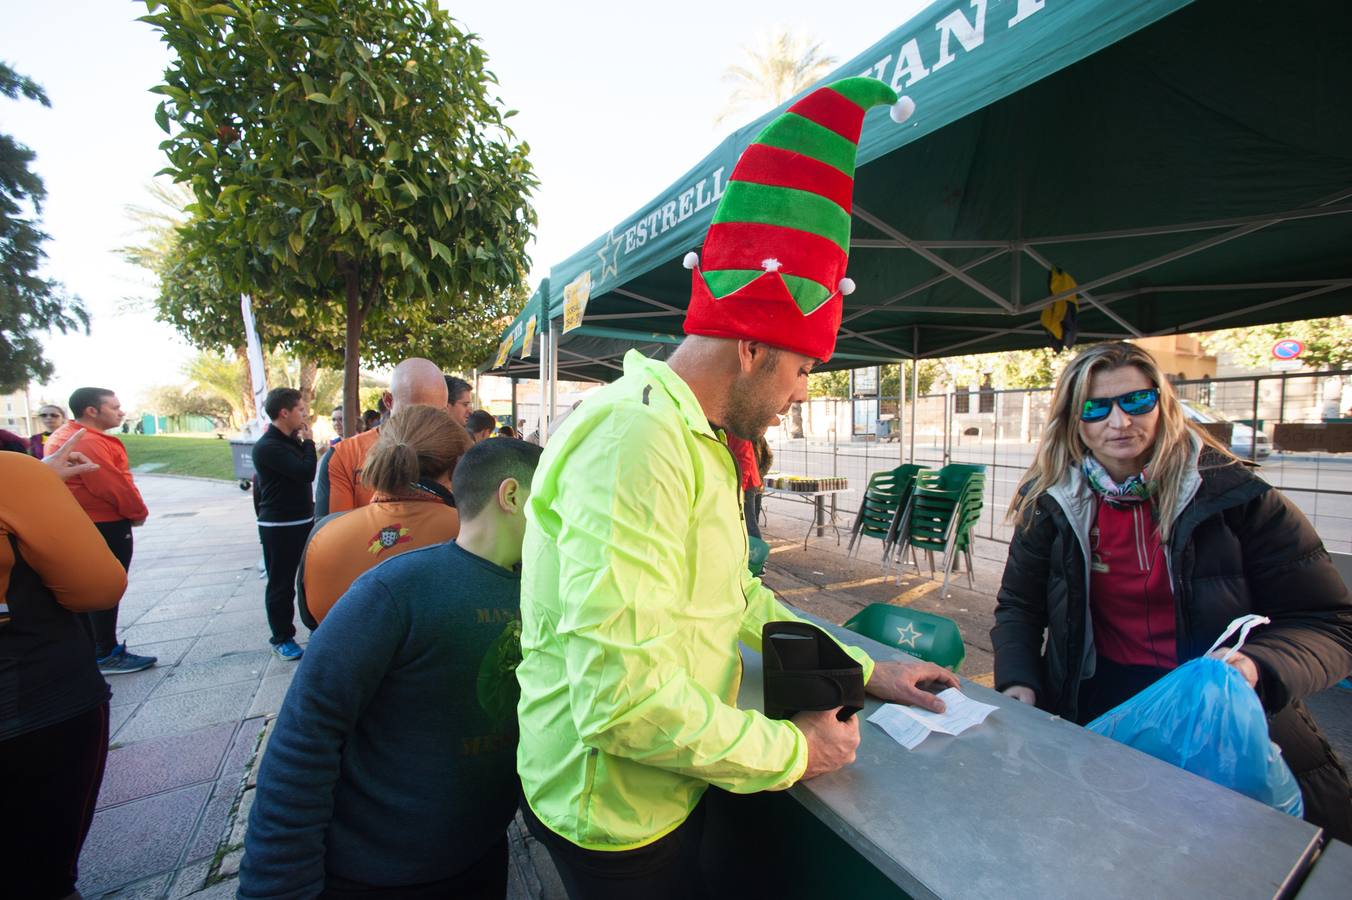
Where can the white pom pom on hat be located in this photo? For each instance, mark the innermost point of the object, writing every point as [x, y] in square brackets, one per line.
[691, 260]
[846, 287]
[902, 110]
[770, 265]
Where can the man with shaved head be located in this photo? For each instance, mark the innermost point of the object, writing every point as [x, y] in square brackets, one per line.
[415, 382]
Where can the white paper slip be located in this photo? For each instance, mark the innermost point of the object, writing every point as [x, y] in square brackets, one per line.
[909, 725]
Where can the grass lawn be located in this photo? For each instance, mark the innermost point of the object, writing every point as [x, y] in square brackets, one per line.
[205, 456]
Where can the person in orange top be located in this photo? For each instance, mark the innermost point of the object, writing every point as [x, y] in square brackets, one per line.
[414, 382]
[110, 498]
[409, 474]
[54, 568]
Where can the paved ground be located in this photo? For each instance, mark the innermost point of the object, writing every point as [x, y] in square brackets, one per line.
[184, 734]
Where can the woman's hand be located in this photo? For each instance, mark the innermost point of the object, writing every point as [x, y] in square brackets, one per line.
[1246, 666]
[66, 461]
[1021, 693]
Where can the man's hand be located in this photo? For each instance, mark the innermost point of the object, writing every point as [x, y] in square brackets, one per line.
[899, 682]
[303, 433]
[1022, 693]
[1244, 664]
[67, 462]
[831, 743]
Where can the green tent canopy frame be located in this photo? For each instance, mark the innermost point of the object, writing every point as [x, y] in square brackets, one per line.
[1189, 164]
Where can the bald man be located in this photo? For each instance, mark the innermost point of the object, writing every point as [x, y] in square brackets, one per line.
[415, 382]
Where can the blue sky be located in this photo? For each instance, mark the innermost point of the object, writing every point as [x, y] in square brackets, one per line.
[615, 101]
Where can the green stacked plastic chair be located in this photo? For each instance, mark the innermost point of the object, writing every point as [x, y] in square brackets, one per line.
[884, 498]
[757, 553]
[923, 635]
[944, 506]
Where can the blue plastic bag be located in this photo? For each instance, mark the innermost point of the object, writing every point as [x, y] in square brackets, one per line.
[1204, 717]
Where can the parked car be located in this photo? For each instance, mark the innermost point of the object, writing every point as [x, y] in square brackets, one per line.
[1241, 438]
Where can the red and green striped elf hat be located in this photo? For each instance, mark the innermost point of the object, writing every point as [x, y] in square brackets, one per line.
[775, 256]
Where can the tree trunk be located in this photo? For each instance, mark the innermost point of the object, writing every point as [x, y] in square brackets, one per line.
[796, 420]
[351, 352]
[309, 370]
[246, 387]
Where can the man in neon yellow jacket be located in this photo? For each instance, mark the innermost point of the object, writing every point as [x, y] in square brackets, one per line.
[635, 589]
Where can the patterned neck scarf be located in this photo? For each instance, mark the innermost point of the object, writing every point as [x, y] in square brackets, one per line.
[1133, 490]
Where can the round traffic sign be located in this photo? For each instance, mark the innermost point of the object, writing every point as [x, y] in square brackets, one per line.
[1287, 349]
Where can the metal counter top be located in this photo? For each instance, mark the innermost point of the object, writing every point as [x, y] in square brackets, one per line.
[1028, 805]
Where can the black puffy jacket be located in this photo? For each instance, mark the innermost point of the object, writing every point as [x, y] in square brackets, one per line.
[1237, 547]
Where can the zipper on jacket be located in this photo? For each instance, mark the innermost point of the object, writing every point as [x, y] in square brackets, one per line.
[584, 800]
[741, 517]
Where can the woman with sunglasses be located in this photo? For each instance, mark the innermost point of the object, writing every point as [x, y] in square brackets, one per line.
[1138, 538]
[53, 417]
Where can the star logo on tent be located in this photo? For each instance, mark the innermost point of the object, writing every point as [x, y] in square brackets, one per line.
[906, 637]
[610, 257]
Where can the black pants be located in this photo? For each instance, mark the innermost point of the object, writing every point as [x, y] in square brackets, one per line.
[667, 869]
[751, 505]
[282, 549]
[484, 880]
[102, 623]
[52, 779]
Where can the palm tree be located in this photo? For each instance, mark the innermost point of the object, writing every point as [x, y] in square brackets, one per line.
[782, 64]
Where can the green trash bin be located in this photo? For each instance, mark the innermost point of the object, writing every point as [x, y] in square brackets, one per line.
[924, 635]
[759, 553]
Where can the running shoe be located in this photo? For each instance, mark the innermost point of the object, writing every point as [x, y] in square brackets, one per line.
[120, 662]
[288, 650]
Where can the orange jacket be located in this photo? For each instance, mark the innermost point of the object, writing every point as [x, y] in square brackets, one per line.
[55, 538]
[345, 488]
[343, 547]
[109, 494]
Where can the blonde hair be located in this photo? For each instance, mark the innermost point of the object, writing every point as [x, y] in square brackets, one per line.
[418, 442]
[1062, 447]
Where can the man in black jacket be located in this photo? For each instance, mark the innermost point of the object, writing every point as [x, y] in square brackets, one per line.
[284, 460]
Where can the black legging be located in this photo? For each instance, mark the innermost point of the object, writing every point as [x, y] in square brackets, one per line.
[102, 623]
[52, 780]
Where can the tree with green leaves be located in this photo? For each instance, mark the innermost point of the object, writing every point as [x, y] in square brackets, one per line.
[1328, 342]
[29, 303]
[350, 169]
[781, 64]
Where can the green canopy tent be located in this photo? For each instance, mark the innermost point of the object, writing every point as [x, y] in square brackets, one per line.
[1189, 165]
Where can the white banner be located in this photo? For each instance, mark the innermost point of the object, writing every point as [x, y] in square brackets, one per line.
[257, 369]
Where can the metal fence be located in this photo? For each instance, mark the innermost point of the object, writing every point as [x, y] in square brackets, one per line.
[1000, 430]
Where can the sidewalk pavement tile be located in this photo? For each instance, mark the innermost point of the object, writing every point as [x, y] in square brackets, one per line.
[245, 601]
[211, 646]
[151, 767]
[181, 608]
[135, 686]
[229, 669]
[221, 890]
[149, 581]
[271, 693]
[177, 713]
[190, 879]
[117, 717]
[167, 653]
[238, 620]
[217, 816]
[138, 839]
[166, 630]
[209, 578]
[211, 829]
[150, 889]
[246, 741]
